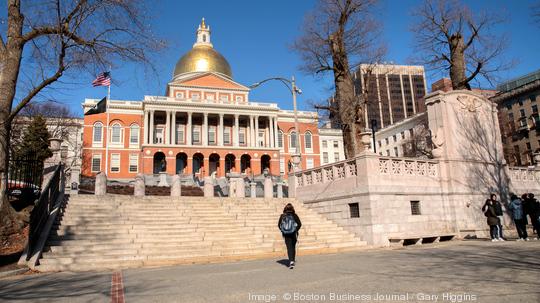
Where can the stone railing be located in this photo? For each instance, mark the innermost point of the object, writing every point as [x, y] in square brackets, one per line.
[408, 167]
[380, 166]
[524, 174]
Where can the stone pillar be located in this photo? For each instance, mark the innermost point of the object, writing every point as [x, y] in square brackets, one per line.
[256, 120]
[74, 181]
[292, 186]
[151, 130]
[208, 187]
[276, 131]
[251, 141]
[220, 131]
[240, 188]
[280, 189]
[205, 130]
[145, 123]
[173, 130]
[167, 128]
[163, 179]
[188, 129]
[139, 186]
[253, 187]
[176, 187]
[236, 130]
[100, 188]
[268, 188]
[271, 127]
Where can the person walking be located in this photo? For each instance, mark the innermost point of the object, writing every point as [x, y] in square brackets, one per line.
[492, 220]
[499, 212]
[532, 208]
[289, 223]
[516, 207]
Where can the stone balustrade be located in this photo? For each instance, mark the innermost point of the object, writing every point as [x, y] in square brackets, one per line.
[524, 174]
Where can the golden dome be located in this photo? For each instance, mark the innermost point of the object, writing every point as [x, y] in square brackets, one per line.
[202, 58]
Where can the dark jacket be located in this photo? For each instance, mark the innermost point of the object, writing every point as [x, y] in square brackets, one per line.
[491, 214]
[498, 208]
[296, 219]
[517, 209]
[531, 207]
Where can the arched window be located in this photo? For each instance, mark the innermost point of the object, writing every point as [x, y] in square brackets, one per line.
[204, 38]
[292, 140]
[280, 139]
[134, 134]
[98, 133]
[116, 133]
[308, 140]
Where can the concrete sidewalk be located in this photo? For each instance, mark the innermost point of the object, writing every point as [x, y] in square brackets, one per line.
[469, 271]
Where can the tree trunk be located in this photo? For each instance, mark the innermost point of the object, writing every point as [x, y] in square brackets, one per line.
[457, 66]
[349, 110]
[10, 61]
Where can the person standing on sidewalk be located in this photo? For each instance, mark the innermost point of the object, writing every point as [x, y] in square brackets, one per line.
[492, 220]
[532, 208]
[289, 223]
[516, 208]
[499, 212]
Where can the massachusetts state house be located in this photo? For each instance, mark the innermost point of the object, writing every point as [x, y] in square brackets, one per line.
[204, 124]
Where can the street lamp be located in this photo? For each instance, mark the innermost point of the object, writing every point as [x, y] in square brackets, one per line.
[291, 86]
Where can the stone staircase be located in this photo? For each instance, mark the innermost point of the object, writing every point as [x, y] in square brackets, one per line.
[119, 231]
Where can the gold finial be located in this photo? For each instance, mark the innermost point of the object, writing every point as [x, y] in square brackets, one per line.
[203, 25]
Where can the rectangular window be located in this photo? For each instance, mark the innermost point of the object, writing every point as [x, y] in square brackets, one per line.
[386, 141]
[115, 163]
[227, 135]
[388, 153]
[96, 163]
[158, 136]
[64, 152]
[180, 138]
[261, 137]
[379, 142]
[98, 131]
[224, 98]
[195, 96]
[134, 136]
[533, 98]
[528, 146]
[522, 112]
[325, 144]
[415, 208]
[336, 157]
[210, 96]
[535, 109]
[133, 163]
[325, 157]
[336, 144]
[282, 165]
[196, 134]
[116, 135]
[354, 210]
[242, 136]
[396, 152]
[402, 135]
[395, 138]
[211, 134]
[309, 163]
[280, 140]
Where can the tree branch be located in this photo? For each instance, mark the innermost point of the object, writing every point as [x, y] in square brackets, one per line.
[476, 71]
[61, 68]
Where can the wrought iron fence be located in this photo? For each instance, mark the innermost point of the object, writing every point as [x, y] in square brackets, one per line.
[25, 175]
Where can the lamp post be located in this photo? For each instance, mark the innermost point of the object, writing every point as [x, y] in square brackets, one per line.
[291, 86]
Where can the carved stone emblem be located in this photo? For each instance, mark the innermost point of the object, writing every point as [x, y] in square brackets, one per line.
[469, 103]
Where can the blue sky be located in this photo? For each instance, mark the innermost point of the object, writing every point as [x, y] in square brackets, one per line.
[255, 36]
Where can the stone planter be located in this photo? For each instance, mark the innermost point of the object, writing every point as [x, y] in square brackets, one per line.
[366, 140]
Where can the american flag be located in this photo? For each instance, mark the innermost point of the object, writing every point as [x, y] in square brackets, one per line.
[103, 79]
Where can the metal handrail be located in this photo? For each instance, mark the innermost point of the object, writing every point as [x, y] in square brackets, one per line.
[43, 208]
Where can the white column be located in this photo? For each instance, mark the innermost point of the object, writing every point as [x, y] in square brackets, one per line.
[188, 129]
[257, 131]
[145, 127]
[220, 135]
[173, 137]
[205, 130]
[276, 132]
[271, 127]
[167, 127]
[251, 141]
[151, 127]
[236, 128]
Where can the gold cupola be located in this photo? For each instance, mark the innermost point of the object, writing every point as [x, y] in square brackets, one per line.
[202, 57]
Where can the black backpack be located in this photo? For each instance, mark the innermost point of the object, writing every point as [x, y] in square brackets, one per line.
[288, 224]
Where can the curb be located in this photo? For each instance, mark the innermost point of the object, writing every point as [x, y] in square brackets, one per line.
[13, 272]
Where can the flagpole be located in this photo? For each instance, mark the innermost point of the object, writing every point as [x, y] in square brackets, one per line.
[108, 132]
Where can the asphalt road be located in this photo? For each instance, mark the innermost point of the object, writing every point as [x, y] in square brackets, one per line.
[471, 271]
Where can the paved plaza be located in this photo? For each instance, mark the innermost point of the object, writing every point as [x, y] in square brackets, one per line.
[468, 271]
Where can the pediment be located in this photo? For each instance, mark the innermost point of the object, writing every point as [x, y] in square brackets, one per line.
[209, 80]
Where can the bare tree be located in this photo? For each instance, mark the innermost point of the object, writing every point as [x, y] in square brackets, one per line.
[449, 36]
[338, 36]
[418, 145]
[47, 40]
